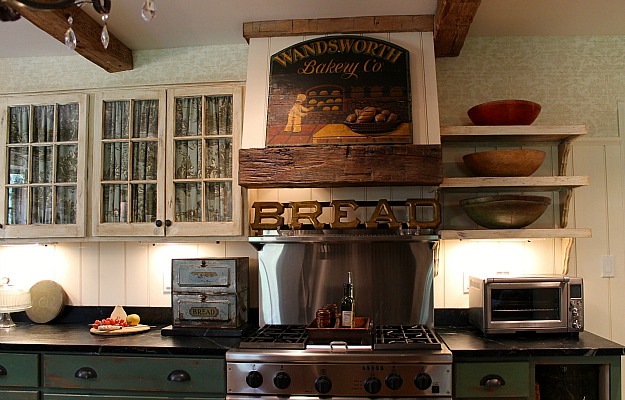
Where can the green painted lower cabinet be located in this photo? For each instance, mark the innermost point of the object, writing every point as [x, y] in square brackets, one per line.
[54, 376]
[547, 378]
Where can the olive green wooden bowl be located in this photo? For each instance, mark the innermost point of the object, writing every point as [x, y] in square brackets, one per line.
[505, 211]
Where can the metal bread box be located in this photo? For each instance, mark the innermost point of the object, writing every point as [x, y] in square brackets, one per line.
[210, 292]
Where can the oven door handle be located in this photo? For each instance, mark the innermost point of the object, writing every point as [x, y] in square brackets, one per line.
[492, 381]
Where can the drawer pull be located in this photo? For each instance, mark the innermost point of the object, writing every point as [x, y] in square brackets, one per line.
[179, 376]
[86, 373]
[492, 381]
[3, 371]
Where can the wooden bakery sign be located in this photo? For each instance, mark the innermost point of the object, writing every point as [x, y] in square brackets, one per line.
[269, 215]
[339, 90]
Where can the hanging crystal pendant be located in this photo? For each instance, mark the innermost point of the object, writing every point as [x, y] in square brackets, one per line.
[104, 36]
[149, 10]
[70, 35]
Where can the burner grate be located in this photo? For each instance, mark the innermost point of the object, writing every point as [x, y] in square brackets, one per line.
[403, 337]
[277, 337]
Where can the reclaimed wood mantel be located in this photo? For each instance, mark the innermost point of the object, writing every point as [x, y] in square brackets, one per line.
[341, 166]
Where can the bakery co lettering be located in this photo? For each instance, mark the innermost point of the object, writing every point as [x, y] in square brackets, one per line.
[376, 54]
[311, 211]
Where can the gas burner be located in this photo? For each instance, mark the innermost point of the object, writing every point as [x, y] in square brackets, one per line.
[403, 337]
[277, 337]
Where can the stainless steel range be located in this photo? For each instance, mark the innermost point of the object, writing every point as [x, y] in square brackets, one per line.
[399, 355]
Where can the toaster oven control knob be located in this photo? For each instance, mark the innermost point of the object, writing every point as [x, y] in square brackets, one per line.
[394, 381]
[323, 384]
[282, 380]
[575, 312]
[254, 379]
[577, 325]
[373, 385]
[423, 381]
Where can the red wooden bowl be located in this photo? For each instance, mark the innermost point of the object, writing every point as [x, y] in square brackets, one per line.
[504, 112]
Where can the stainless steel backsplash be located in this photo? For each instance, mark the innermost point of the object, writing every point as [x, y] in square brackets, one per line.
[392, 280]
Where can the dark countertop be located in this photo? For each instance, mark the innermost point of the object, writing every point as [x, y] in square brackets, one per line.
[77, 338]
[468, 342]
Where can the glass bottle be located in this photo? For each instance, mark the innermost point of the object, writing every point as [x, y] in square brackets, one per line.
[347, 304]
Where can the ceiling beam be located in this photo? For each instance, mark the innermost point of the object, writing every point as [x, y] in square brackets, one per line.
[322, 26]
[451, 25]
[116, 58]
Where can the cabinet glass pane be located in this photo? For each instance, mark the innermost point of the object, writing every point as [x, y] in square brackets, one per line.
[115, 161]
[19, 119]
[219, 201]
[17, 209]
[188, 202]
[43, 123]
[18, 165]
[66, 200]
[68, 122]
[188, 159]
[114, 203]
[67, 163]
[41, 210]
[42, 164]
[143, 203]
[219, 115]
[219, 158]
[188, 116]
[144, 155]
[145, 119]
[116, 119]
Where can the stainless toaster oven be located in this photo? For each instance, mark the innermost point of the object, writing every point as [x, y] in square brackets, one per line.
[538, 303]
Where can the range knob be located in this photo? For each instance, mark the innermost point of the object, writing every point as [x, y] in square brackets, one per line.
[254, 379]
[394, 381]
[323, 384]
[373, 385]
[282, 380]
[423, 381]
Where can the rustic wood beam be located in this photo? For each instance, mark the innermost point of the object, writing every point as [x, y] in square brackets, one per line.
[451, 25]
[116, 58]
[323, 26]
[341, 166]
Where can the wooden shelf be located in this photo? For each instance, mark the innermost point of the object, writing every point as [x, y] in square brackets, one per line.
[497, 234]
[518, 134]
[523, 184]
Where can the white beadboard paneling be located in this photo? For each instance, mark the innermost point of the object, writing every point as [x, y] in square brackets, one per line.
[159, 258]
[112, 274]
[211, 250]
[68, 272]
[90, 274]
[137, 274]
[591, 212]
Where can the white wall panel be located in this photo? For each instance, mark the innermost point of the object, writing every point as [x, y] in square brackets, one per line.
[112, 274]
[90, 274]
[68, 270]
[137, 274]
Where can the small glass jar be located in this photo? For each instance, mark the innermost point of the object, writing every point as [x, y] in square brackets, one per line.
[323, 318]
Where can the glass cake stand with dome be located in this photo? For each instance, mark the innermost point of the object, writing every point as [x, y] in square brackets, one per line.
[12, 299]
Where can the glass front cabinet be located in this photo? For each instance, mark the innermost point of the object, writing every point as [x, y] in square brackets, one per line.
[43, 140]
[166, 162]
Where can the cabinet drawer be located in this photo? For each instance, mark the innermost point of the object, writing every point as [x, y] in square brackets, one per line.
[147, 374]
[471, 379]
[15, 395]
[61, 396]
[19, 369]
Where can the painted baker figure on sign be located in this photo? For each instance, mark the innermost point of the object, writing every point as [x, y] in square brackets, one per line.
[294, 122]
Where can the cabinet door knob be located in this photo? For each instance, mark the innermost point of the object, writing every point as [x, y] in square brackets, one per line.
[179, 376]
[158, 223]
[492, 381]
[167, 222]
[86, 373]
[3, 371]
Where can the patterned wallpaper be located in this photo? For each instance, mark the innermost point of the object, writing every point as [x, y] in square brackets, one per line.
[577, 80]
[151, 67]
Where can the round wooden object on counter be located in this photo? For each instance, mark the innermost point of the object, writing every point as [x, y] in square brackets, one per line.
[48, 300]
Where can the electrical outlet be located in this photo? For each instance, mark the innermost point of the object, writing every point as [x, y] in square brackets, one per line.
[166, 282]
[607, 266]
[465, 282]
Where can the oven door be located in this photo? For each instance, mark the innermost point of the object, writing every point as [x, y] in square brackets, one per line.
[526, 306]
[268, 397]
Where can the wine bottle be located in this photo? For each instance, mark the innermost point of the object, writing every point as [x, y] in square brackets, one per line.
[347, 303]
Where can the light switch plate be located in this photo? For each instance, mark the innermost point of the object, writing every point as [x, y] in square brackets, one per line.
[465, 282]
[607, 266]
[166, 282]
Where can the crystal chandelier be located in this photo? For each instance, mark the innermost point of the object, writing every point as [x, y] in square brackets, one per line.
[9, 11]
